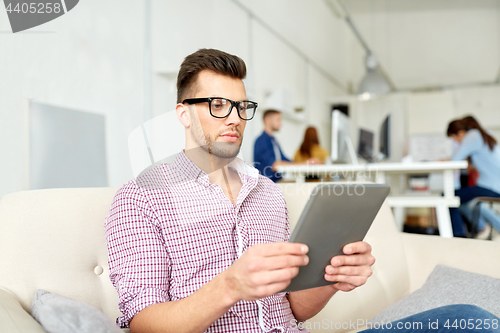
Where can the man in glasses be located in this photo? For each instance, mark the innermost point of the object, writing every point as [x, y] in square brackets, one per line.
[201, 243]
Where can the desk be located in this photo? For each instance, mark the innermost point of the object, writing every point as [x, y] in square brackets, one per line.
[380, 172]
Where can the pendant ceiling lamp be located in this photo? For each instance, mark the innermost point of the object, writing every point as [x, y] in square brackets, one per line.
[375, 82]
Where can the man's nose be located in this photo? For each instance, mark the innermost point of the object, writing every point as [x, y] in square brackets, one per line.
[233, 117]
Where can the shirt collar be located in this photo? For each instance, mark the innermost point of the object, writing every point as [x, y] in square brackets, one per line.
[186, 167]
[267, 134]
[190, 171]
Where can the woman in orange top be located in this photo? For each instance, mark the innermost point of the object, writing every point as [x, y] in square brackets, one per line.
[310, 148]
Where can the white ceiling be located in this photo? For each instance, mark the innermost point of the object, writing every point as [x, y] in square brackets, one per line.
[429, 43]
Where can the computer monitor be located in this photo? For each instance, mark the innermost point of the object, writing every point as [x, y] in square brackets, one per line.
[365, 144]
[340, 131]
[385, 137]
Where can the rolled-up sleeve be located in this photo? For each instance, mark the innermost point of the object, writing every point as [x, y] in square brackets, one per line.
[138, 259]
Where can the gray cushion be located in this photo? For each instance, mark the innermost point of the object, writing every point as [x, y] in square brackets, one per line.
[58, 314]
[446, 286]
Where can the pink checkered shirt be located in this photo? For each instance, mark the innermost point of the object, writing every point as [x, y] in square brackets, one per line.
[170, 231]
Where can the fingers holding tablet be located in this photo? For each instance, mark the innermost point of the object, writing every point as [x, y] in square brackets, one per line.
[353, 269]
[360, 254]
[265, 269]
[358, 247]
[280, 248]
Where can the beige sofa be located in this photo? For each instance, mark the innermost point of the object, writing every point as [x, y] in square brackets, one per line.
[54, 240]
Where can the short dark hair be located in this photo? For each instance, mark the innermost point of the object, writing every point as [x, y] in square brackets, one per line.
[207, 59]
[269, 112]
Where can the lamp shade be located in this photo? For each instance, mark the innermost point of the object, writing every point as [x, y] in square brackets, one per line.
[374, 84]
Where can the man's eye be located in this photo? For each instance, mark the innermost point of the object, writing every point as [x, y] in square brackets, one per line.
[218, 103]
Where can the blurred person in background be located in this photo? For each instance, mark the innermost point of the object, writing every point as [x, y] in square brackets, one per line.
[310, 148]
[484, 152]
[311, 152]
[471, 174]
[267, 153]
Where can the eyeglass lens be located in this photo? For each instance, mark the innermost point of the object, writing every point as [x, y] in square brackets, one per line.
[220, 108]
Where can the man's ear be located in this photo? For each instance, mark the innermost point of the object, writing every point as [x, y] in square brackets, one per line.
[183, 115]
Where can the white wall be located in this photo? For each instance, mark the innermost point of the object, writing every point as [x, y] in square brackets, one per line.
[89, 59]
[483, 103]
[432, 111]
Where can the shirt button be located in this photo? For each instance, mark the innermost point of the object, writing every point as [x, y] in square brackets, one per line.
[98, 270]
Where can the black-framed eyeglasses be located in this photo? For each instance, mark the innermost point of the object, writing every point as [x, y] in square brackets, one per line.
[221, 107]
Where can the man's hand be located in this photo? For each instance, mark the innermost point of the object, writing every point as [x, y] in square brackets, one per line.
[352, 269]
[264, 270]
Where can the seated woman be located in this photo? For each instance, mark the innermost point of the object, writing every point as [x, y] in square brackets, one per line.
[310, 148]
[484, 153]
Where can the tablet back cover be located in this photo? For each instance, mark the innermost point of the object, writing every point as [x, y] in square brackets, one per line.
[334, 216]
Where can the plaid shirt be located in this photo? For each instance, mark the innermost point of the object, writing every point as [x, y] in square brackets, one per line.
[170, 231]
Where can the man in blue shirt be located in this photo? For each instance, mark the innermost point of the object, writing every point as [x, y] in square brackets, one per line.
[267, 154]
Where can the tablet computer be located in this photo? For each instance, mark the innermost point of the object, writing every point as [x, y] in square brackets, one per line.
[334, 216]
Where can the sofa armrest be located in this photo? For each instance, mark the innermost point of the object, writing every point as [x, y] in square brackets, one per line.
[13, 318]
[424, 252]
